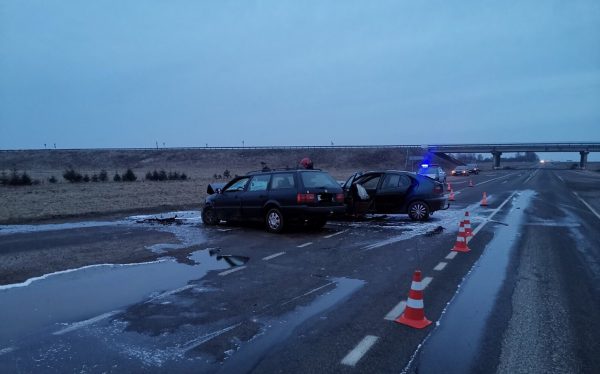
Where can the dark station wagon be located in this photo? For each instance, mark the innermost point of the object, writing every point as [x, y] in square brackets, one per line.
[392, 191]
[276, 197]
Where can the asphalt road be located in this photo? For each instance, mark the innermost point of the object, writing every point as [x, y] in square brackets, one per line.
[237, 299]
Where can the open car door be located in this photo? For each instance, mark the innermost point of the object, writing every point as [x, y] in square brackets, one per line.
[363, 192]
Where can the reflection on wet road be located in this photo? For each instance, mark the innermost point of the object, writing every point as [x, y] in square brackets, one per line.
[80, 294]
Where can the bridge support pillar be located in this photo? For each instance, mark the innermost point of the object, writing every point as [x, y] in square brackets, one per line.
[583, 159]
[496, 155]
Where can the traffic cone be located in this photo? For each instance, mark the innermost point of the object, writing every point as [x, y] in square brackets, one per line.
[449, 187]
[484, 200]
[451, 197]
[470, 182]
[414, 312]
[467, 224]
[461, 240]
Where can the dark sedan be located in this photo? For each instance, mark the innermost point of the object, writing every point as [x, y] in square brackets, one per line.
[391, 192]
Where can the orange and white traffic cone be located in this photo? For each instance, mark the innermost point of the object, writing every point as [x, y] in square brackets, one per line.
[414, 313]
[484, 200]
[449, 187]
[470, 182]
[451, 197]
[461, 240]
[467, 224]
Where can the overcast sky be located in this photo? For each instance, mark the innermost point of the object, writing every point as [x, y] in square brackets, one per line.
[129, 73]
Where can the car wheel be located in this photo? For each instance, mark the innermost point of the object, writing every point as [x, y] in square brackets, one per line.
[274, 220]
[209, 217]
[418, 211]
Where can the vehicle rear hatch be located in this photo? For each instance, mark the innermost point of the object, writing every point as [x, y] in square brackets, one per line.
[319, 189]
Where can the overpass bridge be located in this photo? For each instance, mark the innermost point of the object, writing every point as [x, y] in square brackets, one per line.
[497, 149]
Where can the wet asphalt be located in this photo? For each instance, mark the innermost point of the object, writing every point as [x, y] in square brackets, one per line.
[303, 301]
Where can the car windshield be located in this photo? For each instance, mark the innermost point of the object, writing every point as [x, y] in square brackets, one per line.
[318, 179]
[461, 168]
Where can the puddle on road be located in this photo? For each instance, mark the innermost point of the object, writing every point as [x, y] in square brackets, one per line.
[452, 346]
[279, 329]
[39, 304]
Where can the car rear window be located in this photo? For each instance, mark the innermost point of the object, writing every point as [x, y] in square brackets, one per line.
[316, 179]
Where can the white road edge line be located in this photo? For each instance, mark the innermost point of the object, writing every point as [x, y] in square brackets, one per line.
[531, 175]
[304, 245]
[334, 234]
[359, 351]
[451, 255]
[396, 311]
[273, 256]
[482, 224]
[232, 270]
[588, 205]
[440, 266]
[493, 179]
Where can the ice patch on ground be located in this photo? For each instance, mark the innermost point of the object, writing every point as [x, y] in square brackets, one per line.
[22, 229]
[180, 217]
[6, 350]
[188, 217]
[448, 219]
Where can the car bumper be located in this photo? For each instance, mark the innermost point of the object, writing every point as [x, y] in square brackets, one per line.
[440, 203]
[313, 211]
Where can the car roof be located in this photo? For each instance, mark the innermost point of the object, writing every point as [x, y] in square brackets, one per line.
[273, 171]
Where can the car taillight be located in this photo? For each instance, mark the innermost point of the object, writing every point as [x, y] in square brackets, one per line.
[305, 198]
[339, 197]
[438, 189]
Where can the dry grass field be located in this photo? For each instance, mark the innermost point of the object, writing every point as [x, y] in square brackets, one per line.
[67, 200]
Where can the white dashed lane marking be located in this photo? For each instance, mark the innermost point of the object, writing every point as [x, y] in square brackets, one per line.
[399, 308]
[425, 282]
[451, 255]
[304, 245]
[273, 256]
[488, 219]
[232, 270]
[396, 311]
[334, 234]
[440, 266]
[359, 351]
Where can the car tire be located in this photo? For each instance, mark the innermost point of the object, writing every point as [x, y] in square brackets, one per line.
[418, 211]
[316, 223]
[209, 216]
[274, 220]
